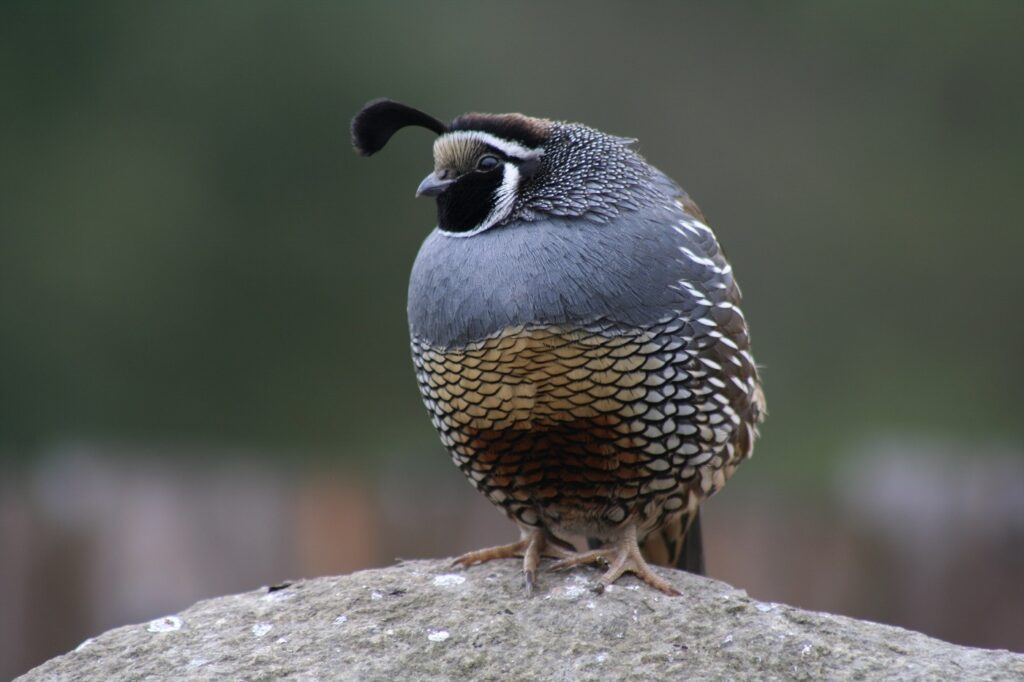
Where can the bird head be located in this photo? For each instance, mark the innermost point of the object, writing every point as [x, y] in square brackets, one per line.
[491, 169]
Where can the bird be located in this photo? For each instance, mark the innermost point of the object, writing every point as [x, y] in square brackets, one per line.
[577, 339]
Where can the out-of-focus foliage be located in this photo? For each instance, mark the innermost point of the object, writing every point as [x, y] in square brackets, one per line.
[191, 253]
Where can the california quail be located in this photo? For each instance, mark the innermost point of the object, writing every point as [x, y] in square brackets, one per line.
[577, 339]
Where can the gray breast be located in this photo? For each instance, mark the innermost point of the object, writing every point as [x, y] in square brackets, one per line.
[557, 271]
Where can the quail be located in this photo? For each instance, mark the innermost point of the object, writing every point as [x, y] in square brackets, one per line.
[577, 340]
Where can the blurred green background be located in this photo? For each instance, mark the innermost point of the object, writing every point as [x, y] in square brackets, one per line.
[195, 267]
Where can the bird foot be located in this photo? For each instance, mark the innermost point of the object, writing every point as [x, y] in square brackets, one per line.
[622, 556]
[534, 544]
[516, 549]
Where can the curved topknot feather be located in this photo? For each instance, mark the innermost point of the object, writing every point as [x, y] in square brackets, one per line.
[376, 122]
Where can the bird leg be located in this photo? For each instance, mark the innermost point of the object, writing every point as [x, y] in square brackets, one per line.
[622, 556]
[534, 543]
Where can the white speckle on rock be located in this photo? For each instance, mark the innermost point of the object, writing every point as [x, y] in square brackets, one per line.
[631, 587]
[261, 629]
[197, 662]
[376, 595]
[602, 657]
[591, 605]
[438, 635]
[764, 607]
[448, 580]
[575, 586]
[281, 640]
[805, 649]
[341, 620]
[165, 624]
[727, 640]
[84, 644]
[389, 631]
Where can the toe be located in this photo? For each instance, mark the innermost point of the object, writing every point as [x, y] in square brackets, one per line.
[580, 559]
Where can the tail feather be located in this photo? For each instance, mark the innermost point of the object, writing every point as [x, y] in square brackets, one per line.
[691, 558]
[677, 545]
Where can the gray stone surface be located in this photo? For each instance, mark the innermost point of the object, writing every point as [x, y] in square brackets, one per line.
[423, 620]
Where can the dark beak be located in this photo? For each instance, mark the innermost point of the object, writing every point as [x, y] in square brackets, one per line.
[431, 186]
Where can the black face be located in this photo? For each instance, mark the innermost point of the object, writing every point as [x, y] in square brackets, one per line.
[468, 201]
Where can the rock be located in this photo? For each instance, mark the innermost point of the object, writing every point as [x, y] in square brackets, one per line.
[424, 620]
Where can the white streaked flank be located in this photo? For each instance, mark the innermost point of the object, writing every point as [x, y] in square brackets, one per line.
[707, 262]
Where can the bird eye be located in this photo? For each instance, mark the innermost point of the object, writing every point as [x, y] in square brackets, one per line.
[487, 162]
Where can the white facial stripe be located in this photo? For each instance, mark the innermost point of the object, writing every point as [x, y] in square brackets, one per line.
[506, 195]
[506, 147]
[504, 200]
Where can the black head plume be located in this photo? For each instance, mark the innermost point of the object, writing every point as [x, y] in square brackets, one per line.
[374, 125]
